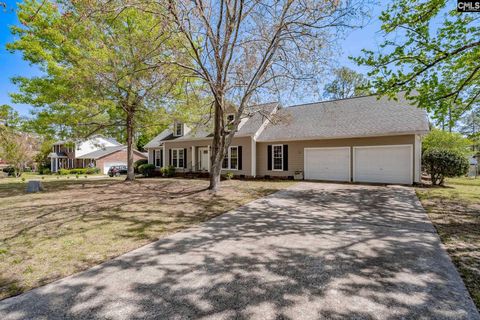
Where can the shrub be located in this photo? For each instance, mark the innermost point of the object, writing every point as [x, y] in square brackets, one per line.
[63, 172]
[10, 171]
[146, 169]
[444, 163]
[138, 163]
[168, 171]
[43, 169]
[229, 175]
[92, 171]
[78, 171]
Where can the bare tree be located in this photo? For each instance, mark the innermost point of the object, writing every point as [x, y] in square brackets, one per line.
[245, 49]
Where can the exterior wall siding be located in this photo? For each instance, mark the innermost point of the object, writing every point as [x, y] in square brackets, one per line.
[296, 151]
[244, 142]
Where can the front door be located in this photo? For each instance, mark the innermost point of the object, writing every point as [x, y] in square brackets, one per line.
[203, 159]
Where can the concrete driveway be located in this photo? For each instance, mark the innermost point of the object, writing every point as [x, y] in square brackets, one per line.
[315, 251]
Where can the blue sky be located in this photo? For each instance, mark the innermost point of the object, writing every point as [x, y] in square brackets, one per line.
[12, 64]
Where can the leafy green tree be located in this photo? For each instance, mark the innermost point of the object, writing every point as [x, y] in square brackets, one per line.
[470, 127]
[9, 117]
[347, 83]
[442, 140]
[438, 67]
[104, 69]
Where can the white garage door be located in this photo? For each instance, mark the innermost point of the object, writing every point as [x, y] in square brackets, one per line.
[327, 164]
[383, 164]
[107, 165]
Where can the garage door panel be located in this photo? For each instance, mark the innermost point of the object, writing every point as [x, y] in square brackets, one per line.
[327, 164]
[383, 164]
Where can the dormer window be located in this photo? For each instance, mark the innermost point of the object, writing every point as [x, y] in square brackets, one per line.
[178, 130]
[230, 119]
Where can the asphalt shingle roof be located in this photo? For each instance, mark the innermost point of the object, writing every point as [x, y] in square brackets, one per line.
[102, 152]
[354, 117]
[255, 117]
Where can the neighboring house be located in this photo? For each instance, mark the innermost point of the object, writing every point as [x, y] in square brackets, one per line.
[98, 151]
[362, 139]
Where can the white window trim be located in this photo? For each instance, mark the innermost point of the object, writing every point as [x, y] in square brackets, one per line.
[156, 155]
[273, 156]
[230, 114]
[175, 129]
[178, 157]
[228, 155]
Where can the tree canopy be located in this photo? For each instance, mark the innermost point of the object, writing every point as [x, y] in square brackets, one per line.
[432, 52]
[443, 140]
[346, 83]
[104, 69]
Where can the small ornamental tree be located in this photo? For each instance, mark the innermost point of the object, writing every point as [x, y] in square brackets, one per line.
[444, 163]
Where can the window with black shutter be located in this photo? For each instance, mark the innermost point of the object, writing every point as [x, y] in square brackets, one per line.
[269, 157]
[285, 157]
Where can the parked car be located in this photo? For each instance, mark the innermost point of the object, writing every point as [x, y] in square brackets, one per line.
[117, 171]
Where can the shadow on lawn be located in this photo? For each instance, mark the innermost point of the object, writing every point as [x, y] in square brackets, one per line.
[334, 253]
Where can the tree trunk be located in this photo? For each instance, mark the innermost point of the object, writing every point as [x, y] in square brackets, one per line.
[218, 146]
[130, 170]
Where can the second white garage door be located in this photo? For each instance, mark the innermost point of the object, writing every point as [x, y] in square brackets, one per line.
[383, 164]
[331, 164]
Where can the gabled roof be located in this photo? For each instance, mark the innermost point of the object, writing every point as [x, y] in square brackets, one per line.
[157, 141]
[255, 116]
[105, 151]
[258, 115]
[353, 117]
[111, 140]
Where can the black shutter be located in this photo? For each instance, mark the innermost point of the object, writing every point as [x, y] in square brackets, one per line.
[239, 157]
[269, 156]
[285, 157]
[185, 157]
[161, 157]
[169, 157]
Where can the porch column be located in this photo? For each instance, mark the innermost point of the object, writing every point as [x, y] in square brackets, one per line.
[164, 157]
[209, 160]
[194, 163]
[253, 159]
[52, 160]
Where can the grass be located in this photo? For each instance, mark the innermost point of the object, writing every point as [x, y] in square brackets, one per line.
[75, 224]
[35, 176]
[455, 213]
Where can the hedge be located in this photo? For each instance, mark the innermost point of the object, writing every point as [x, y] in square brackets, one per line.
[79, 171]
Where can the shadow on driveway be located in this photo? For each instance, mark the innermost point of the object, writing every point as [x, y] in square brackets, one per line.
[315, 251]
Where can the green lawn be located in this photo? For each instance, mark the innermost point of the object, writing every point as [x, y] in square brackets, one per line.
[455, 212]
[78, 223]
